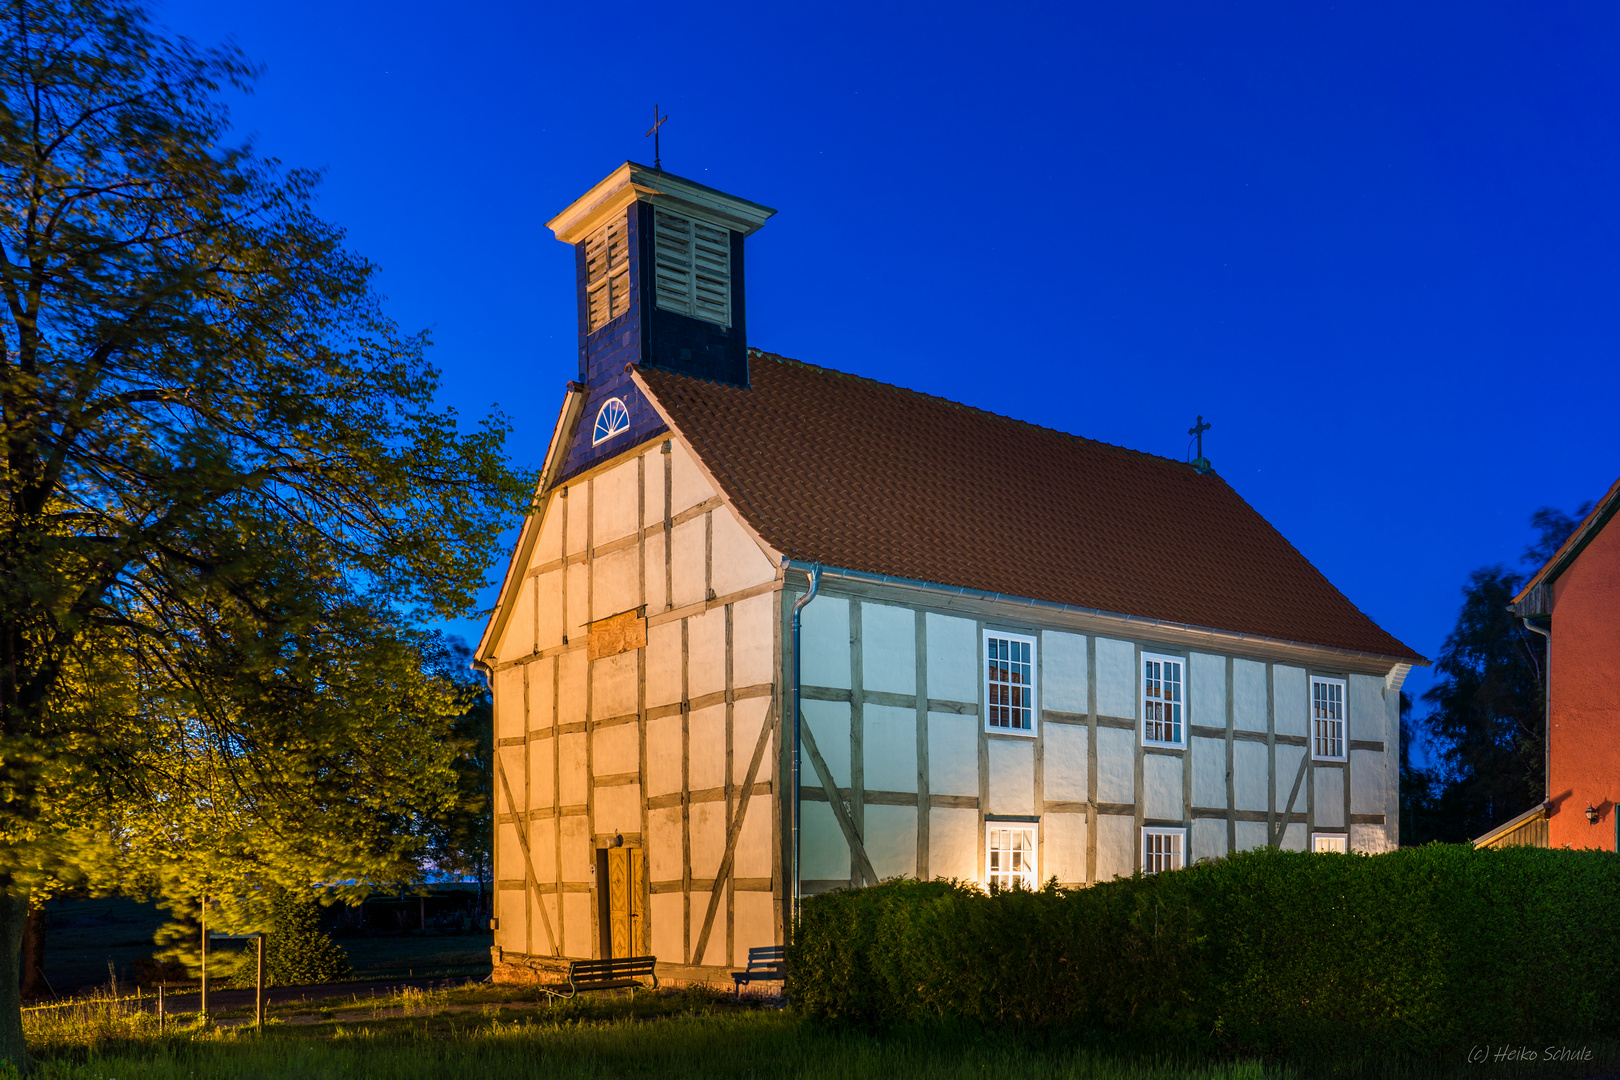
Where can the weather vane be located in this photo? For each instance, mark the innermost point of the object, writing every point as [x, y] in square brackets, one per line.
[1201, 463]
[658, 161]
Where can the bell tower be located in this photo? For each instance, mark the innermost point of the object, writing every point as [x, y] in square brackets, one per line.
[659, 275]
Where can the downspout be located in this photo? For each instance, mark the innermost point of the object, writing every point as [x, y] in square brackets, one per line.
[798, 608]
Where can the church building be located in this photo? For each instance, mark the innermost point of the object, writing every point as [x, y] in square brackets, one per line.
[1025, 655]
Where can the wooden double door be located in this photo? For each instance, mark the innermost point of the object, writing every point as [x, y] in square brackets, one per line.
[622, 920]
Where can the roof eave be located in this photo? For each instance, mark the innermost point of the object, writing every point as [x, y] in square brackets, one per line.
[1571, 548]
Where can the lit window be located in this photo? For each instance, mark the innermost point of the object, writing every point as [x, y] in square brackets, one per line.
[1327, 719]
[607, 275]
[1161, 700]
[1009, 855]
[694, 266]
[1330, 842]
[1162, 849]
[611, 420]
[1009, 683]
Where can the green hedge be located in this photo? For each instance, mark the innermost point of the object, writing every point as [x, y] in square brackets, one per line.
[1266, 951]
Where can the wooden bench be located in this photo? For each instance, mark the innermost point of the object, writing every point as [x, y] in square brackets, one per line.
[614, 974]
[768, 963]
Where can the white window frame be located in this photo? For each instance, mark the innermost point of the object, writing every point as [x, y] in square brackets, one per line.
[597, 437]
[1159, 832]
[1030, 876]
[1312, 721]
[1143, 700]
[987, 684]
[1338, 842]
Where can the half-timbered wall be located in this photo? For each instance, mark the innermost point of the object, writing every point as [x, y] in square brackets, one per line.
[893, 696]
[634, 707]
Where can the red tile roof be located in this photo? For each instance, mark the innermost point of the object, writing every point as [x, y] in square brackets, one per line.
[854, 473]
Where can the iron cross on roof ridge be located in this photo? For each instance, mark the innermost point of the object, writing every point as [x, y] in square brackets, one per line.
[1201, 463]
[658, 162]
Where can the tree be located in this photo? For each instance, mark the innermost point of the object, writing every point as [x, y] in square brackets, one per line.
[458, 839]
[225, 496]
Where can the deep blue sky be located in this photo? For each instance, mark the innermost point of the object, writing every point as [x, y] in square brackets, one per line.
[1375, 245]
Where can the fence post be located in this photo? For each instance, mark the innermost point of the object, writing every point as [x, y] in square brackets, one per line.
[258, 997]
[203, 919]
[161, 1016]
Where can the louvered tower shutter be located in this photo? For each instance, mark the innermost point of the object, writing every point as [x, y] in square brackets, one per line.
[694, 266]
[607, 274]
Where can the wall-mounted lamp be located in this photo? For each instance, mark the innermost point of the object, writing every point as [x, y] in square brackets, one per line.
[618, 839]
[1591, 814]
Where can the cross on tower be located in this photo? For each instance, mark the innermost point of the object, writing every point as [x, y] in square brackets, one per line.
[1201, 463]
[658, 162]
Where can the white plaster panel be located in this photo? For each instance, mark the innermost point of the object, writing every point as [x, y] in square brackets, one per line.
[826, 855]
[756, 923]
[1063, 673]
[1251, 835]
[664, 844]
[688, 486]
[1372, 839]
[577, 922]
[663, 664]
[543, 851]
[828, 722]
[747, 718]
[953, 658]
[708, 827]
[889, 748]
[1116, 679]
[889, 648]
[1208, 839]
[571, 687]
[542, 773]
[508, 851]
[578, 856]
[752, 859]
[668, 930]
[578, 593]
[687, 544]
[714, 950]
[542, 694]
[518, 637]
[1250, 764]
[824, 637]
[1289, 759]
[953, 756]
[890, 839]
[616, 587]
[1206, 690]
[549, 609]
[614, 686]
[753, 641]
[1365, 710]
[1064, 838]
[572, 776]
[1161, 776]
[1209, 772]
[509, 705]
[953, 843]
[738, 561]
[510, 909]
[1295, 837]
[657, 598]
[664, 755]
[1248, 695]
[616, 750]
[1368, 779]
[1329, 797]
[512, 762]
[577, 514]
[706, 733]
[706, 652]
[542, 908]
[548, 546]
[1012, 776]
[1065, 757]
[1116, 765]
[1291, 699]
[618, 809]
[1116, 847]
[615, 499]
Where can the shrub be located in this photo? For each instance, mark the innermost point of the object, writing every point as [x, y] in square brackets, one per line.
[298, 952]
[1270, 951]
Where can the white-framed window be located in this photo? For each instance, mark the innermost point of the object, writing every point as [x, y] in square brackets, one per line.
[1010, 855]
[1163, 700]
[1328, 841]
[607, 275]
[1163, 849]
[611, 419]
[1327, 719]
[1009, 683]
[693, 260]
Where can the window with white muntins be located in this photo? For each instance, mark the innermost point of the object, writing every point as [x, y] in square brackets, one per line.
[1163, 849]
[611, 419]
[607, 275]
[1009, 683]
[1163, 693]
[693, 260]
[1327, 719]
[1010, 855]
[1330, 842]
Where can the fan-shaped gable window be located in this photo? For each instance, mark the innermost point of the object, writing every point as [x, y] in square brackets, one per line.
[613, 419]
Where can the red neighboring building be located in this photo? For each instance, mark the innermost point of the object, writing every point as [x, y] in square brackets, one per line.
[1575, 600]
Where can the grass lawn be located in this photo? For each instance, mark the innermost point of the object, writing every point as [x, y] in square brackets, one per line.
[496, 1032]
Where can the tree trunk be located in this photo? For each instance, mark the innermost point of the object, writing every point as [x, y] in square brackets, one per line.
[33, 954]
[13, 917]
